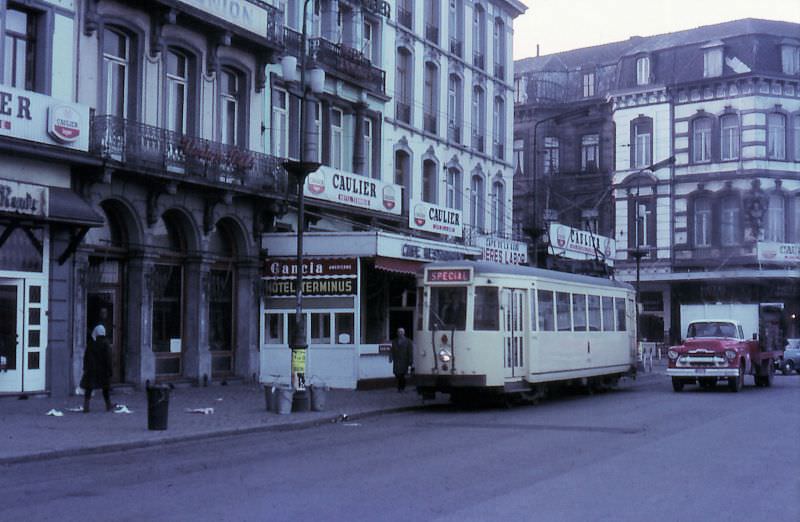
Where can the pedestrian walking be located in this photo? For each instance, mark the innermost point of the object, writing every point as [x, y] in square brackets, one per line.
[97, 368]
[400, 357]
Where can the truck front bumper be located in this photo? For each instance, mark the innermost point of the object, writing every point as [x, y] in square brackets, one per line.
[702, 372]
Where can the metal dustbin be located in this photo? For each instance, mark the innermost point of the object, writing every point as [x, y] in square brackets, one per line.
[319, 396]
[282, 399]
[157, 407]
[301, 401]
[271, 397]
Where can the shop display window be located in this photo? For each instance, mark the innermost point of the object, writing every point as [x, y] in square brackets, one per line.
[273, 328]
[345, 328]
[321, 328]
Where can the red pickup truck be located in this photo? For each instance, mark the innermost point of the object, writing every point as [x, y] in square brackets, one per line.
[717, 349]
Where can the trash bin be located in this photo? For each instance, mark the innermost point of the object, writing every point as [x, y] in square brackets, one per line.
[318, 397]
[271, 396]
[301, 401]
[157, 407]
[283, 404]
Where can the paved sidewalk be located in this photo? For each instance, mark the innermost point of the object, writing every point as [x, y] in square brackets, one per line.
[28, 433]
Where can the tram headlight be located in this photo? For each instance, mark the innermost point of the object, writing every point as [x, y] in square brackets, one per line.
[445, 356]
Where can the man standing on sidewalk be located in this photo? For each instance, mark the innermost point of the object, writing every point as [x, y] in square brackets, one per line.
[97, 368]
[400, 357]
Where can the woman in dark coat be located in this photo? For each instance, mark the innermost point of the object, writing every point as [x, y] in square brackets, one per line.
[97, 368]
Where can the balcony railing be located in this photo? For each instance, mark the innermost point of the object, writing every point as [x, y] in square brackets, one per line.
[455, 46]
[432, 33]
[477, 60]
[499, 71]
[349, 62]
[403, 112]
[429, 122]
[160, 151]
[454, 133]
[477, 142]
[292, 40]
[404, 17]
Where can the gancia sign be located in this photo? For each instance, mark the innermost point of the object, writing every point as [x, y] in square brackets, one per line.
[35, 117]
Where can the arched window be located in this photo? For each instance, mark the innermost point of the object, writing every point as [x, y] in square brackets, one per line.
[729, 136]
[776, 136]
[402, 173]
[730, 220]
[499, 44]
[478, 37]
[430, 97]
[429, 181]
[454, 108]
[177, 101]
[498, 208]
[776, 219]
[701, 140]
[499, 124]
[403, 88]
[702, 221]
[477, 205]
[478, 119]
[453, 188]
[231, 107]
[117, 71]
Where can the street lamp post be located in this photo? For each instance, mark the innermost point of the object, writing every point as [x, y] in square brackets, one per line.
[300, 170]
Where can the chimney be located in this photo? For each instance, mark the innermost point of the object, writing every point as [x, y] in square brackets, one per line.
[537, 50]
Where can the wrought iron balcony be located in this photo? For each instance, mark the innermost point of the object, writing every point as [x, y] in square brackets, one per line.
[432, 33]
[404, 17]
[155, 150]
[454, 133]
[430, 122]
[477, 142]
[456, 46]
[477, 60]
[348, 62]
[403, 112]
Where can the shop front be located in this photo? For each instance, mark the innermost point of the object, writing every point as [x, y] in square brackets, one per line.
[352, 303]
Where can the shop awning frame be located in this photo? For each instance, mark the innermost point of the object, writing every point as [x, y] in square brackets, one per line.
[398, 266]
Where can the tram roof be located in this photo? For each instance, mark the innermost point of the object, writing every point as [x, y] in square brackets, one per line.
[485, 267]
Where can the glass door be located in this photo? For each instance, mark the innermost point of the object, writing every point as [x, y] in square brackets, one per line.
[11, 300]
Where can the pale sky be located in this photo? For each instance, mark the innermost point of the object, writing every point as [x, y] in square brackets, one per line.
[561, 25]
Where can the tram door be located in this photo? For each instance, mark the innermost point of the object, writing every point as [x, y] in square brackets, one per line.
[513, 310]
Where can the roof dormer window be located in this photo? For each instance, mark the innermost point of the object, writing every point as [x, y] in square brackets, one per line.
[643, 70]
[790, 56]
[712, 59]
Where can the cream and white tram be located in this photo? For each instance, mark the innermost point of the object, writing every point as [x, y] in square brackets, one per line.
[511, 329]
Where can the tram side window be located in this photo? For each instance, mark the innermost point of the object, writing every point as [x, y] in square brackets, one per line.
[608, 314]
[620, 306]
[563, 320]
[448, 310]
[579, 312]
[486, 308]
[546, 311]
[594, 313]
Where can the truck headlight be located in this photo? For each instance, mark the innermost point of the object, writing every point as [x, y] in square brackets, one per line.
[445, 356]
[672, 354]
[730, 354]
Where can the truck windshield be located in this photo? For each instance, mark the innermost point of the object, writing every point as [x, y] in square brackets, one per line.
[448, 309]
[712, 329]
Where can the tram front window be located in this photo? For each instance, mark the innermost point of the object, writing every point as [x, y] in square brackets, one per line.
[448, 310]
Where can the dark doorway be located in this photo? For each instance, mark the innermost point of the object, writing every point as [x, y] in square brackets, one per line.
[401, 319]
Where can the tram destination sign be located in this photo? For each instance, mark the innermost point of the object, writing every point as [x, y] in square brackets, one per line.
[503, 251]
[448, 275]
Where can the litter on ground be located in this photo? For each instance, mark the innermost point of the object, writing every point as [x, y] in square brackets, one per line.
[203, 411]
[55, 413]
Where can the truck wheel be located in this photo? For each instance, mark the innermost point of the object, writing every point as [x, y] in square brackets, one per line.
[766, 380]
[677, 384]
[735, 383]
[788, 367]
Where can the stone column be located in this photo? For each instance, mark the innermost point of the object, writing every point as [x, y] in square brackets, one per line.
[140, 362]
[194, 337]
[247, 301]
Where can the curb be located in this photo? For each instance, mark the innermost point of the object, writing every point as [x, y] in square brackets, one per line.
[122, 446]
